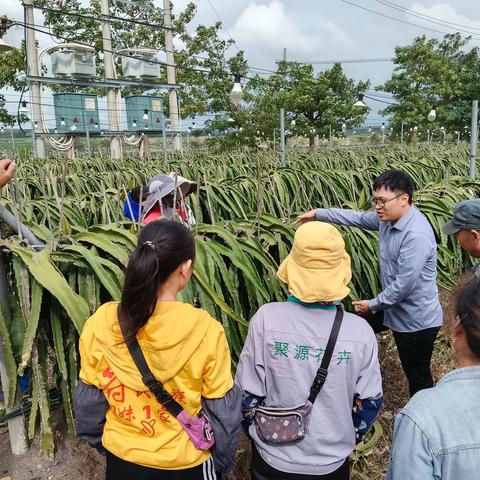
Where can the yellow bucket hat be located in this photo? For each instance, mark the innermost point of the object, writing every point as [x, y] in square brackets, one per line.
[318, 267]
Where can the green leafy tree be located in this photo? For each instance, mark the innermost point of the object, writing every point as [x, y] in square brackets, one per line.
[432, 72]
[317, 103]
[12, 64]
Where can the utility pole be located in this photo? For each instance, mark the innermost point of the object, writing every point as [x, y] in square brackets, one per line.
[113, 123]
[171, 77]
[282, 124]
[33, 69]
[401, 134]
[474, 140]
[164, 138]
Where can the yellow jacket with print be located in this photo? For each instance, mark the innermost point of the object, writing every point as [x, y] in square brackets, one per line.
[186, 350]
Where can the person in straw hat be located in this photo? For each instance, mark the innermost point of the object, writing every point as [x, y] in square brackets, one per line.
[285, 346]
[166, 197]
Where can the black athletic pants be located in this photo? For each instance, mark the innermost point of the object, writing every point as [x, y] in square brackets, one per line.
[415, 351]
[261, 470]
[118, 469]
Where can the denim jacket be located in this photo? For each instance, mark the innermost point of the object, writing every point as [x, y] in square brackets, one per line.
[437, 435]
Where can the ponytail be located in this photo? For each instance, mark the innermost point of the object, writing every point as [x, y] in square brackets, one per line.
[162, 247]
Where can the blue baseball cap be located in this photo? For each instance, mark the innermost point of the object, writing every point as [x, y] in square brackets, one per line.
[466, 216]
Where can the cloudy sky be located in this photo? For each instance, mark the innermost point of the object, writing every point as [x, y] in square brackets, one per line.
[322, 30]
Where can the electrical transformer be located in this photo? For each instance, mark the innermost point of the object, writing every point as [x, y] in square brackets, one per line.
[140, 68]
[76, 112]
[144, 113]
[70, 63]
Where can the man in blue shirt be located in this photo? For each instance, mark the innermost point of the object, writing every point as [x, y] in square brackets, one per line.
[408, 303]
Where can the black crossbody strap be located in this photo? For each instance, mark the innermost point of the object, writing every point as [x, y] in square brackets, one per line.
[322, 372]
[154, 385]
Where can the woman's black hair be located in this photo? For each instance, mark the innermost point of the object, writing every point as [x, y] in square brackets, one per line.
[467, 308]
[167, 200]
[135, 194]
[162, 247]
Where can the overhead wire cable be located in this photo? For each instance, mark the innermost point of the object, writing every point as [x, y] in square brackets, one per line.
[376, 12]
[352, 60]
[102, 18]
[223, 24]
[424, 16]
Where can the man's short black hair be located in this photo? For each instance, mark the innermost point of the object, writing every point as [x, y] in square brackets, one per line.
[395, 181]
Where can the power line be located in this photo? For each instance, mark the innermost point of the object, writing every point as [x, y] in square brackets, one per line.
[350, 60]
[398, 19]
[103, 18]
[382, 94]
[101, 109]
[154, 61]
[49, 32]
[214, 115]
[148, 24]
[425, 18]
[223, 24]
[378, 100]
[413, 12]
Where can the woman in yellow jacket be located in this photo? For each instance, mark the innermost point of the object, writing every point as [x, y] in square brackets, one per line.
[186, 350]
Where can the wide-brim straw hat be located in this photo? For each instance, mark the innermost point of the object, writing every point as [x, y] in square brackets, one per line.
[186, 186]
[318, 267]
[158, 187]
[162, 185]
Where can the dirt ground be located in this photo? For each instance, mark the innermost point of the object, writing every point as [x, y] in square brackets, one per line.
[75, 460]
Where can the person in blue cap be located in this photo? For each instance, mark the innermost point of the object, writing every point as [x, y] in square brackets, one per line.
[465, 225]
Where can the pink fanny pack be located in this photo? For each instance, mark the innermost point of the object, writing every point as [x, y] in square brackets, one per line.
[199, 427]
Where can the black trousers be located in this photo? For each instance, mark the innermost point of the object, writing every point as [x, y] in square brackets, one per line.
[415, 351]
[261, 470]
[118, 469]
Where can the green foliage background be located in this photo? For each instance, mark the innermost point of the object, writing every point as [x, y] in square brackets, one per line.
[245, 208]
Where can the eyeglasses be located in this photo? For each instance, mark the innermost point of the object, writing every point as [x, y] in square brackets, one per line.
[382, 201]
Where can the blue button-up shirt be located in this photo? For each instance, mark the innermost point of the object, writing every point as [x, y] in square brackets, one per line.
[408, 267]
[437, 435]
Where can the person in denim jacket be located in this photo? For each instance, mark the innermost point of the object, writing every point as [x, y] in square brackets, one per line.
[437, 435]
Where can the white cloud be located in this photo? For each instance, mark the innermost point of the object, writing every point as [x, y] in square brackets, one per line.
[269, 27]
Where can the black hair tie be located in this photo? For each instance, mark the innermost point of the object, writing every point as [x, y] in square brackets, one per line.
[150, 244]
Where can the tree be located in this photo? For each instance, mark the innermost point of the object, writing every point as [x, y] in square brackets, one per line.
[433, 73]
[11, 65]
[318, 103]
[207, 81]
